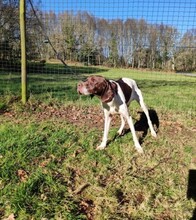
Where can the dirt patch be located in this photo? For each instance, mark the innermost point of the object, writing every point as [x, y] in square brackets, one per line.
[92, 117]
[115, 175]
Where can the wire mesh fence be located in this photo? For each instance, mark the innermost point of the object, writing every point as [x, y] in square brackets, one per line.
[70, 38]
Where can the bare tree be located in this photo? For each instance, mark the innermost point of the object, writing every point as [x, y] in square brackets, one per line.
[167, 39]
[9, 31]
[82, 37]
[186, 52]
[153, 46]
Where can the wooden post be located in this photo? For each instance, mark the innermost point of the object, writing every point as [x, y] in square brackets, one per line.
[23, 50]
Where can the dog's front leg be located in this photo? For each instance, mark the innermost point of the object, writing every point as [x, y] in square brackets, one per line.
[120, 131]
[106, 130]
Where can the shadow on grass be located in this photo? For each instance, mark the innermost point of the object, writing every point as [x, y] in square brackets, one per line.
[60, 69]
[191, 189]
[194, 215]
[142, 125]
[164, 83]
[36, 68]
[47, 78]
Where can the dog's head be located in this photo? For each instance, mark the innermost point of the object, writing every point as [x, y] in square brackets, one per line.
[99, 86]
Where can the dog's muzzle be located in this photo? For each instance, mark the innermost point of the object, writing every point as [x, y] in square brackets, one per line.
[79, 86]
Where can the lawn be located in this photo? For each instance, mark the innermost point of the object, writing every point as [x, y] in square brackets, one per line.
[49, 168]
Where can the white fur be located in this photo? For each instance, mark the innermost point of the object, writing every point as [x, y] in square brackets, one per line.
[118, 105]
[84, 91]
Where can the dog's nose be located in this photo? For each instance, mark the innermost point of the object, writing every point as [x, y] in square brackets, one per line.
[78, 87]
[80, 83]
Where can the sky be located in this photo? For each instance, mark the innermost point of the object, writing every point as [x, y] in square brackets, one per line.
[177, 13]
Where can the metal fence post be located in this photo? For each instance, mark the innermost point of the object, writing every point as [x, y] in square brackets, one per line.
[23, 50]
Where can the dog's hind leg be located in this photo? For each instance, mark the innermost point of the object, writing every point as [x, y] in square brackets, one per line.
[139, 98]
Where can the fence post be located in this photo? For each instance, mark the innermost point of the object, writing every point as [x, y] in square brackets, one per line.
[23, 50]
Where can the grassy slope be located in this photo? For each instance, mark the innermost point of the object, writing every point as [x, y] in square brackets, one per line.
[49, 168]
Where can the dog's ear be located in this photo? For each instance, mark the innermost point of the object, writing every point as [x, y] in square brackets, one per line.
[95, 85]
[110, 91]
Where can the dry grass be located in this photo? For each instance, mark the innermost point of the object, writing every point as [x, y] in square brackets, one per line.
[49, 168]
[63, 177]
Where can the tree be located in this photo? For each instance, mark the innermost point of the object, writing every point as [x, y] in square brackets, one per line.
[167, 39]
[82, 37]
[186, 52]
[9, 32]
[131, 34]
[153, 52]
[113, 51]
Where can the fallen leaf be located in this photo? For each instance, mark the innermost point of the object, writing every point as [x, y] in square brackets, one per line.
[22, 174]
[10, 217]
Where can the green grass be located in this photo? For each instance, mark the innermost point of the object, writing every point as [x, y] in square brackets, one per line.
[165, 90]
[49, 168]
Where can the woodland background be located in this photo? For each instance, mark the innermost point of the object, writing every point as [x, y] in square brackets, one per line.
[82, 37]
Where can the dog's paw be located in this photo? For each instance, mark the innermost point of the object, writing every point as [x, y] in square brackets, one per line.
[100, 147]
[154, 134]
[140, 150]
[120, 132]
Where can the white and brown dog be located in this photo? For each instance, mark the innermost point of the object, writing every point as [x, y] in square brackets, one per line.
[116, 97]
